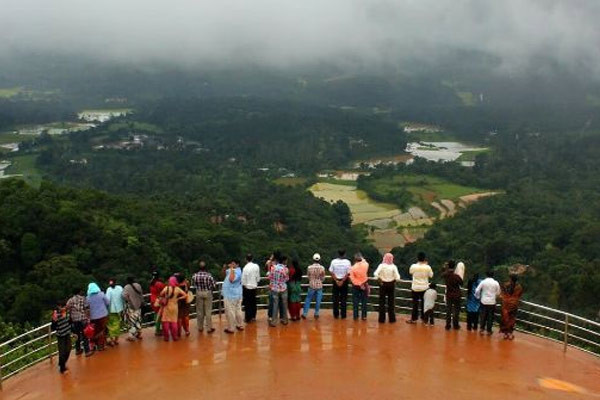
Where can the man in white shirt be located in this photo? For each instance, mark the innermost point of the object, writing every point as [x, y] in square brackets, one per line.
[339, 269]
[250, 280]
[421, 273]
[487, 291]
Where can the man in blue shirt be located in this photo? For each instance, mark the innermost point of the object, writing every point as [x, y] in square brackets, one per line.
[232, 296]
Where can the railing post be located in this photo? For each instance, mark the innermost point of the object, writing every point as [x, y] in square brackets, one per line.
[50, 342]
[566, 338]
[220, 304]
[0, 369]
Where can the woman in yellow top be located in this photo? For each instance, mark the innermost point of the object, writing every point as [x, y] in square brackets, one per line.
[360, 286]
[169, 297]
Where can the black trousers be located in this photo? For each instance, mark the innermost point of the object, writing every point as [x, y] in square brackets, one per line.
[64, 350]
[340, 299]
[452, 312]
[249, 300]
[472, 320]
[417, 305]
[487, 316]
[387, 300]
[81, 341]
[429, 317]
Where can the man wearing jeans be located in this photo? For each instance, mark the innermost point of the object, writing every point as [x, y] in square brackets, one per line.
[421, 273]
[278, 277]
[339, 269]
[250, 280]
[316, 274]
[487, 291]
[204, 284]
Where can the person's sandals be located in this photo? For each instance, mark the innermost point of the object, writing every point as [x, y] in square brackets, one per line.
[228, 331]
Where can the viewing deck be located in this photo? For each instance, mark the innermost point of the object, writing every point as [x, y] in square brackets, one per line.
[323, 359]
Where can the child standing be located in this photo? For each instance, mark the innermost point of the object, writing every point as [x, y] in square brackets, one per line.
[295, 291]
[429, 298]
[61, 323]
[473, 303]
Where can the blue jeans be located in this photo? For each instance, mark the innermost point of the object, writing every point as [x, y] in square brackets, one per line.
[359, 297]
[282, 308]
[309, 296]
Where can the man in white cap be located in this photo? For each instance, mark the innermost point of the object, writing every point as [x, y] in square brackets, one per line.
[316, 274]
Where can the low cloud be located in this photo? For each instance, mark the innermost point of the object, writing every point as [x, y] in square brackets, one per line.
[276, 33]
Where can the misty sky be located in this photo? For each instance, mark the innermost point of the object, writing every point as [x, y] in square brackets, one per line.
[283, 33]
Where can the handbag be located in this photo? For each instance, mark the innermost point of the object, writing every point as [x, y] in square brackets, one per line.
[89, 331]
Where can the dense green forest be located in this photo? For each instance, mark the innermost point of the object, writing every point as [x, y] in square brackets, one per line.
[548, 217]
[55, 238]
[199, 184]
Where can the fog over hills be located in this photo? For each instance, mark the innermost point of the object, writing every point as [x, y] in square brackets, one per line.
[517, 35]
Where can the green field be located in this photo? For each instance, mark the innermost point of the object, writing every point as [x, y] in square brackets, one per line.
[431, 137]
[134, 125]
[470, 155]
[25, 165]
[423, 188]
[6, 93]
[296, 181]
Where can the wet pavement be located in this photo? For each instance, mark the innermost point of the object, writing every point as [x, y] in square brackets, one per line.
[326, 359]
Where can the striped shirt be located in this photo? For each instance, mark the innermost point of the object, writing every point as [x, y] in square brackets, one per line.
[203, 281]
[61, 324]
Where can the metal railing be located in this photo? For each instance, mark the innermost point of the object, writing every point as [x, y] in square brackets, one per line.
[36, 345]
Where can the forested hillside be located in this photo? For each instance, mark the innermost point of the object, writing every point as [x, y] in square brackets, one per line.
[548, 218]
[56, 238]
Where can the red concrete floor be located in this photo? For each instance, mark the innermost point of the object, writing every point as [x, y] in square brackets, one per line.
[325, 359]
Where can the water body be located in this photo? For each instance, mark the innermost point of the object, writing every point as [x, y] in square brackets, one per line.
[439, 151]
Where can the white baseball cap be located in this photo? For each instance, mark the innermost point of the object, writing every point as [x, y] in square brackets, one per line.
[317, 257]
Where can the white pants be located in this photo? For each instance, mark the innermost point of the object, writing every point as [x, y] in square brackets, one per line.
[233, 312]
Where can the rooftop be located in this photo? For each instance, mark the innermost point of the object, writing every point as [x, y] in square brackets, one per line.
[320, 359]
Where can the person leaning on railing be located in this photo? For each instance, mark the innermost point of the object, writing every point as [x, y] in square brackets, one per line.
[387, 274]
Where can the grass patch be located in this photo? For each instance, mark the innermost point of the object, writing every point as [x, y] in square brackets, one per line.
[415, 189]
[471, 154]
[334, 181]
[467, 98]
[14, 138]
[134, 126]
[431, 137]
[6, 93]
[25, 166]
[295, 181]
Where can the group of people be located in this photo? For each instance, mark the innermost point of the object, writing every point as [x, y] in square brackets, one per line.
[98, 319]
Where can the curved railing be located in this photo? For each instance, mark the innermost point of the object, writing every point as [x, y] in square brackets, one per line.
[36, 345]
